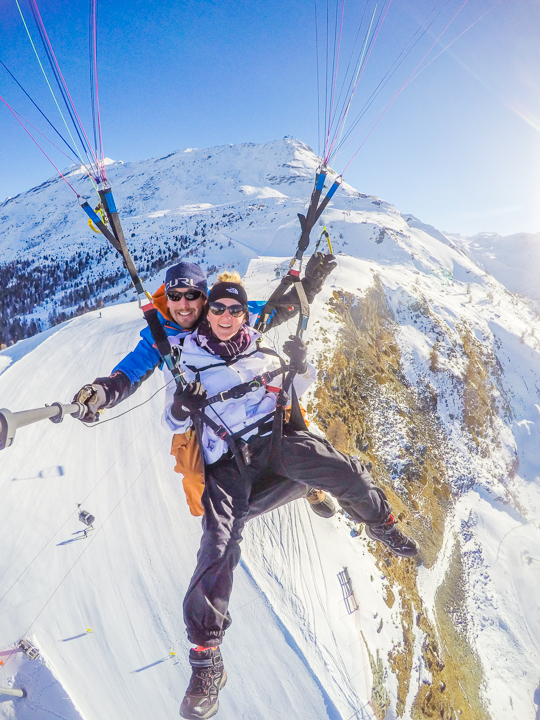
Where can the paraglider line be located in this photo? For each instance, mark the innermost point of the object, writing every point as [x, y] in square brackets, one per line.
[343, 143]
[47, 81]
[371, 46]
[61, 82]
[83, 167]
[48, 139]
[41, 111]
[318, 83]
[39, 146]
[455, 39]
[336, 65]
[353, 82]
[94, 82]
[406, 82]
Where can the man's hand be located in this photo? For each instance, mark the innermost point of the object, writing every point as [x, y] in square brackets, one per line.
[296, 350]
[318, 268]
[188, 400]
[94, 398]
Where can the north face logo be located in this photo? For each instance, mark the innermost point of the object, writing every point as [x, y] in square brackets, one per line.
[232, 290]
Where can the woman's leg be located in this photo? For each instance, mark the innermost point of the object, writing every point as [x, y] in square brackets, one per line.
[271, 491]
[311, 459]
[226, 504]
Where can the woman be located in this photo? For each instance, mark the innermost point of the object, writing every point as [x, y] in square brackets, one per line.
[240, 449]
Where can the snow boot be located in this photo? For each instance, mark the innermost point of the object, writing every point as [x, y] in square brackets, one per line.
[320, 503]
[207, 678]
[392, 537]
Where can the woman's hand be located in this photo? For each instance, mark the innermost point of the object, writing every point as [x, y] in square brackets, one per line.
[296, 350]
[188, 400]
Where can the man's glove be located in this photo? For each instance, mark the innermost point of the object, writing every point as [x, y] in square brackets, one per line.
[318, 268]
[296, 350]
[94, 398]
[188, 400]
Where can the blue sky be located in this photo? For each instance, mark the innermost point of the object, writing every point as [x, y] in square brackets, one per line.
[459, 148]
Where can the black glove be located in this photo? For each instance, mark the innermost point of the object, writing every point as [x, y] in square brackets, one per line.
[187, 400]
[295, 349]
[94, 398]
[318, 268]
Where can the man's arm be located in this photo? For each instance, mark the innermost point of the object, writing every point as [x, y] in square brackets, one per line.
[125, 379]
[318, 268]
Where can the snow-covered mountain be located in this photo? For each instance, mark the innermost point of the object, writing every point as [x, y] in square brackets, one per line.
[193, 202]
[513, 259]
[428, 368]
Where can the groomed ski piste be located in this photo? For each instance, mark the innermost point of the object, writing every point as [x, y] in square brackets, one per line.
[292, 649]
[105, 611]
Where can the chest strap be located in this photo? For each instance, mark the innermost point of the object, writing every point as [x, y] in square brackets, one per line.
[239, 391]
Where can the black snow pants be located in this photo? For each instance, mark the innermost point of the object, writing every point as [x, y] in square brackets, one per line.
[230, 499]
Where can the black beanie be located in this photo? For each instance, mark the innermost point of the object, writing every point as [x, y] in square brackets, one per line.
[232, 290]
[186, 275]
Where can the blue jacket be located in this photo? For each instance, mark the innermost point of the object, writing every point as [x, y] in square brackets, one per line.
[141, 362]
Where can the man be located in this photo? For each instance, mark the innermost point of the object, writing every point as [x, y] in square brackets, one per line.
[181, 301]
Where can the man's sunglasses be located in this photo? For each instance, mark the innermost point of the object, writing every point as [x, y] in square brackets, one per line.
[217, 308]
[190, 295]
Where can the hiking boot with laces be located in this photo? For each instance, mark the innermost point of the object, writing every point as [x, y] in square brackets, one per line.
[392, 537]
[207, 678]
[321, 503]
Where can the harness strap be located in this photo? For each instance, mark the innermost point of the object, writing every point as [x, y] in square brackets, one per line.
[239, 391]
[225, 363]
[239, 450]
[263, 421]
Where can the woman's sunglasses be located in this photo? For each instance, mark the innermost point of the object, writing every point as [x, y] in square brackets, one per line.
[189, 295]
[217, 308]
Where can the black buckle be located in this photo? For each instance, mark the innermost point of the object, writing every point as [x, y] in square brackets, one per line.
[221, 432]
[282, 400]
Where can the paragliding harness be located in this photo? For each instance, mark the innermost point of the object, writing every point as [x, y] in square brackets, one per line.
[286, 394]
[238, 447]
[236, 444]
[296, 418]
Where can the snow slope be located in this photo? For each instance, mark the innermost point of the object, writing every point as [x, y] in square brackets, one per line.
[513, 259]
[126, 581]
